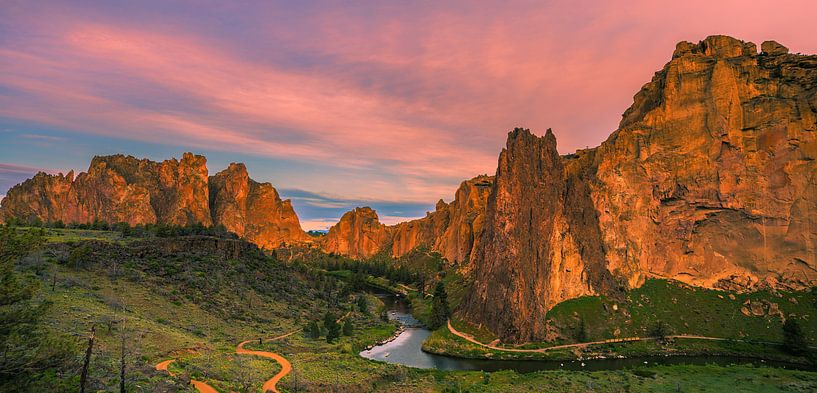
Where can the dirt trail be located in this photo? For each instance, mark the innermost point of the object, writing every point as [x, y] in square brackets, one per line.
[162, 366]
[286, 367]
[201, 386]
[471, 338]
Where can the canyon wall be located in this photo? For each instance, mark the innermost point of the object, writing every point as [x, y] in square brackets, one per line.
[452, 229]
[122, 188]
[253, 210]
[709, 180]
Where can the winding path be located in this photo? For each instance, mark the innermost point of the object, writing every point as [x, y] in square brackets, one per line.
[471, 339]
[270, 384]
[199, 385]
[286, 367]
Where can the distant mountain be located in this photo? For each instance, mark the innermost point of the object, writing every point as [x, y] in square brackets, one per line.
[452, 229]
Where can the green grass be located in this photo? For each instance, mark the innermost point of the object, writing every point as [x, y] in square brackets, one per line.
[687, 310]
[195, 307]
[64, 235]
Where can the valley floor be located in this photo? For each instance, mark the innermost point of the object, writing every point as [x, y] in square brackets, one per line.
[195, 308]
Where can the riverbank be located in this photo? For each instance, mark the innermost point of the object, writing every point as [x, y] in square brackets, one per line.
[444, 342]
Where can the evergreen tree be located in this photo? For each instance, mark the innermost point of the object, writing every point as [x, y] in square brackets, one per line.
[313, 331]
[363, 304]
[814, 296]
[332, 327]
[439, 307]
[660, 331]
[348, 329]
[28, 350]
[793, 340]
[581, 332]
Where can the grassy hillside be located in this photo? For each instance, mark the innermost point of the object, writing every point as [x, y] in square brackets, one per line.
[194, 298]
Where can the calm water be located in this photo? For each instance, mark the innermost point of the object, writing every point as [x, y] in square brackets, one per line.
[406, 350]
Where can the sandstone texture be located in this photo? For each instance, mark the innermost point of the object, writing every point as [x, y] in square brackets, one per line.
[122, 188]
[710, 179]
[359, 234]
[253, 210]
[452, 229]
[540, 244]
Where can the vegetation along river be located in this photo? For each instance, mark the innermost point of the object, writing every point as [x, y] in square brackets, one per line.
[406, 349]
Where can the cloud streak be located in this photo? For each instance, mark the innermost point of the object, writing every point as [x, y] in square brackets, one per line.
[377, 101]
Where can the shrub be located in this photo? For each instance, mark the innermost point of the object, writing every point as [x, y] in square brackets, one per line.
[794, 341]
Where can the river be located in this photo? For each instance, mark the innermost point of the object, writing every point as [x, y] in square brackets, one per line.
[406, 349]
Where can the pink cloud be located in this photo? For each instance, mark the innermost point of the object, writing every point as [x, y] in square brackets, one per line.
[421, 96]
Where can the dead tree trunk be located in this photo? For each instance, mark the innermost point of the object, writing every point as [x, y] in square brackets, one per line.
[122, 367]
[84, 376]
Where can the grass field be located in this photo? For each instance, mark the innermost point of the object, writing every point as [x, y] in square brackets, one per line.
[195, 307]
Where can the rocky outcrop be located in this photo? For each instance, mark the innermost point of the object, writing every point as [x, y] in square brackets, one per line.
[709, 180]
[452, 229]
[177, 192]
[535, 250]
[710, 177]
[253, 210]
[115, 189]
[359, 234]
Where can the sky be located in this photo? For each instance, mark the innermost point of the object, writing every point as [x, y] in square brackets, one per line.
[340, 104]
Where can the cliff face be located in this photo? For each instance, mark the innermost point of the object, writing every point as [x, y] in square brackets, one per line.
[532, 252]
[709, 179]
[466, 216]
[359, 234]
[452, 229]
[253, 210]
[117, 189]
[125, 189]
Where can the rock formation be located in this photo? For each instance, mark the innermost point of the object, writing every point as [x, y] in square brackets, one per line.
[126, 189]
[117, 188]
[534, 251]
[253, 210]
[359, 234]
[710, 179]
[452, 229]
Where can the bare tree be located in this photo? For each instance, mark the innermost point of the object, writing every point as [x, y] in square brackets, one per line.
[84, 376]
[122, 367]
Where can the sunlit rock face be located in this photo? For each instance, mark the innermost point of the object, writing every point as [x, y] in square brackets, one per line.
[179, 192]
[540, 243]
[253, 210]
[710, 179]
[115, 189]
[452, 229]
[359, 234]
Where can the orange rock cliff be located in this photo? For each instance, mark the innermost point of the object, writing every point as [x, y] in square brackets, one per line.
[710, 179]
[125, 189]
